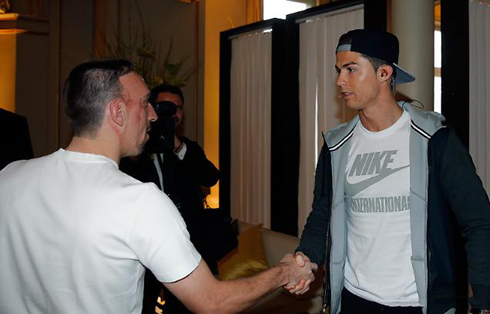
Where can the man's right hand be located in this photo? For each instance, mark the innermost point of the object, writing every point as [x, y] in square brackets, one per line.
[301, 272]
[201, 292]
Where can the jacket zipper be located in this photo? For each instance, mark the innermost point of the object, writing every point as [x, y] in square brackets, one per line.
[326, 292]
[429, 254]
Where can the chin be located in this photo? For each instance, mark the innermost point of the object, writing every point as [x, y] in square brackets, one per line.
[141, 148]
[350, 106]
[136, 151]
[353, 106]
[132, 154]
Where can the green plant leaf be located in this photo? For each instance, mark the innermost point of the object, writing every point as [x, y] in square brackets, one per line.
[144, 51]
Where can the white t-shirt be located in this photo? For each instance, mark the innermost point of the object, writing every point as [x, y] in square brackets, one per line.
[377, 189]
[75, 233]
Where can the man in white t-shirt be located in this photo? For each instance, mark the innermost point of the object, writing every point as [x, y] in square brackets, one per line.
[75, 232]
[394, 188]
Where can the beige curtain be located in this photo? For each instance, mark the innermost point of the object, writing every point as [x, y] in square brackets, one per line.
[255, 11]
[250, 114]
[479, 19]
[320, 107]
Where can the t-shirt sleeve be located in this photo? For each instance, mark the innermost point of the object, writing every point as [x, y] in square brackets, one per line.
[160, 239]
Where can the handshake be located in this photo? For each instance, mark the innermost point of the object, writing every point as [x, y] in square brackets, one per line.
[300, 272]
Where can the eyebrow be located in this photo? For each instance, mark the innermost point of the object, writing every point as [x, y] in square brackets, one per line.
[345, 65]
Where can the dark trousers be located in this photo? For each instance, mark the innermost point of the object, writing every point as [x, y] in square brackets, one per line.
[353, 304]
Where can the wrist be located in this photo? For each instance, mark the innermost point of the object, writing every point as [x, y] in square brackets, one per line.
[283, 274]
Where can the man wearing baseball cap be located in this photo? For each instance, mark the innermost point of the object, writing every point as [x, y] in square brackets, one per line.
[393, 187]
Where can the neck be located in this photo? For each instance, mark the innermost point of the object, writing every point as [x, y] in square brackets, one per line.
[94, 145]
[380, 116]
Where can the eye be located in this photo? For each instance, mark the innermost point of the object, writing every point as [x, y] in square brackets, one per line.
[350, 70]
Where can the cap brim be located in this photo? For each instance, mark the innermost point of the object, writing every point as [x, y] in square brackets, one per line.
[402, 76]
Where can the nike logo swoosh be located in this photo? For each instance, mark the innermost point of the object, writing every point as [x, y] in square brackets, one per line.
[355, 188]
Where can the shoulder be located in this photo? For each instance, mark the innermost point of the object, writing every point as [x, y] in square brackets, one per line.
[151, 214]
[136, 193]
[446, 138]
[143, 206]
[339, 135]
[7, 115]
[11, 120]
[426, 123]
[192, 146]
[16, 169]
[154, 197]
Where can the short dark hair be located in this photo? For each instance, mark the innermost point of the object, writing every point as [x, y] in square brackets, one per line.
[376, 63]
[165, 88]
[346, 39]
[88, 89]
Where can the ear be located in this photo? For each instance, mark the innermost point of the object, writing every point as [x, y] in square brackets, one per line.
[117, 111]
[384, 73]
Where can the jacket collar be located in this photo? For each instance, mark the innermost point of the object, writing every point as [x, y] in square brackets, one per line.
[424, 122]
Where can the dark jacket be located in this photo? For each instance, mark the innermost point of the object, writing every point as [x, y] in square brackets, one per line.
[14, 138]
[448, 200]
[183, 179]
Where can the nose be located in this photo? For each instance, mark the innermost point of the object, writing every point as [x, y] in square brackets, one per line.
[340, 80]
[152, 115]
